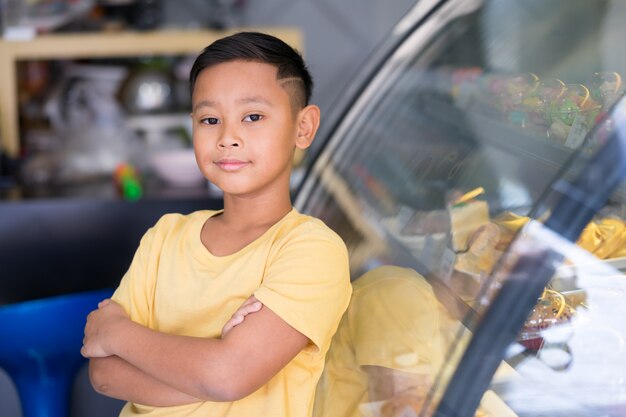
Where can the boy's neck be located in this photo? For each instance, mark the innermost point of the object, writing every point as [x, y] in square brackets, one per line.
[249, 213]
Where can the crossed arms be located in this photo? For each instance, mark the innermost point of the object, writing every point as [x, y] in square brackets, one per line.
[134, 363]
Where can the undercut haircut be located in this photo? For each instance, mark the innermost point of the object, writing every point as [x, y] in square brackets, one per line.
[292, 74]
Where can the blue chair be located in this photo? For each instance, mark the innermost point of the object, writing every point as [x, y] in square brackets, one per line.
[40, 343]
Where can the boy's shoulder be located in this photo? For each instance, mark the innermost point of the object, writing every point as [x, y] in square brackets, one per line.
[171, 221]
[309, 226]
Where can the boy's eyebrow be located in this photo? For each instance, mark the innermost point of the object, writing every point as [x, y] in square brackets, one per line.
[254, 100]
[243, 100]
[203, 103]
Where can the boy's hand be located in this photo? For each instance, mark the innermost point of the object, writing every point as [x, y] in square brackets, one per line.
[100, 328]
[251, 305]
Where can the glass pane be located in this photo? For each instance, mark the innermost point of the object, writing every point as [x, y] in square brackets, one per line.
[457, 149]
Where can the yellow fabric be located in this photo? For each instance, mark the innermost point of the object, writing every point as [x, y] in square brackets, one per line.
[392, 322]
[605, 238]
[298, 268]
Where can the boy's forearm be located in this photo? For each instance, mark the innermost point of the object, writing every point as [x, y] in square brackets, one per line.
[210, 369]
[191, 365]
[116, 378]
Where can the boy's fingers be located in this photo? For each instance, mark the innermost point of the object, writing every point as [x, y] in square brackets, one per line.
[249, 301]
[244, 310]
[251, 308]
[104, 302]
[252, 305]
[238, 319]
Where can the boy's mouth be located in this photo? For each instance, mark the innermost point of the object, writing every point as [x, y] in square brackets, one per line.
[231, 164]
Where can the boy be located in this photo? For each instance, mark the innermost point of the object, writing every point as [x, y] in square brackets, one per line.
[157, 343]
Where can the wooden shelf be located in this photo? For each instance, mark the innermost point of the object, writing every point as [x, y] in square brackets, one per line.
[101, 45]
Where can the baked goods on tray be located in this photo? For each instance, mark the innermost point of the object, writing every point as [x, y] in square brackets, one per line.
[551, 309]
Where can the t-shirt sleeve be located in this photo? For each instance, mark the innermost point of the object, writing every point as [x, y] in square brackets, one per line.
[136, 288]
[307, 283]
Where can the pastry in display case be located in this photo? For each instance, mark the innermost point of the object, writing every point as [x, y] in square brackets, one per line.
[552, 309]
[483, 148]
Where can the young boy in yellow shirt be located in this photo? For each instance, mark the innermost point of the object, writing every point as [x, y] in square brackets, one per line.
[158, 343]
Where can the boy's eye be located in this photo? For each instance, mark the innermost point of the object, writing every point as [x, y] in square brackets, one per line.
[252, 118]
[210, 120]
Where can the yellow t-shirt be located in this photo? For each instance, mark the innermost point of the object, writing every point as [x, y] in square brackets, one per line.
[393, 321]
[298, 268]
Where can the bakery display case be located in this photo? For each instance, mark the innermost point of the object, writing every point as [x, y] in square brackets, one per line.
[482, 151]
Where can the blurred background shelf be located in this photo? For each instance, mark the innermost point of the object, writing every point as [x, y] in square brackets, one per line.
[100, 45]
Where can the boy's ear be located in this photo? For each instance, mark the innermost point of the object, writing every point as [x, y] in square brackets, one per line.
[308, 122]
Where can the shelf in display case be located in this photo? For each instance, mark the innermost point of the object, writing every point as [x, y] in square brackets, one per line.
[518, 142]
[550, 156]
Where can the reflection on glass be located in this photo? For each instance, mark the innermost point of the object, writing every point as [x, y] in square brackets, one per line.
[388, 349]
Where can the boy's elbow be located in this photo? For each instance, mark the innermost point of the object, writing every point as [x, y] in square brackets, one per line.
[226, 395]
[227, 387]
[224, 392]
[97, 376]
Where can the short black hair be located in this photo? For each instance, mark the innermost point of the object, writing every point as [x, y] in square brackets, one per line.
[258, 47]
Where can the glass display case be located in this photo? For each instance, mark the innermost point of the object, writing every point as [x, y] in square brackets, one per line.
[474, 170]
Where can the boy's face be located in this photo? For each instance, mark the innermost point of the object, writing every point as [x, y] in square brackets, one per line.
[244, 128]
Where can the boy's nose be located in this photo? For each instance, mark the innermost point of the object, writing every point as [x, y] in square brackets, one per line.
[228, 143]
[229, 139]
